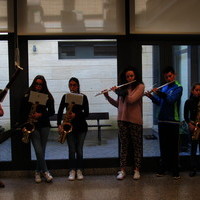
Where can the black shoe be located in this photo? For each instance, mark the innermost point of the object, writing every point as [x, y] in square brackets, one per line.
[192, 173]
[2, 185]
[160, 173]
[176, 176]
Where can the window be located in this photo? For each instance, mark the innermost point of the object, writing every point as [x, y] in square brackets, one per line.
[87, 50]
[94, 75]
[5, 120]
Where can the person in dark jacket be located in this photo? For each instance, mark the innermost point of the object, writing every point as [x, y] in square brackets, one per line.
[38, 114]
[192, 117]
[168, 99]
[75, 139]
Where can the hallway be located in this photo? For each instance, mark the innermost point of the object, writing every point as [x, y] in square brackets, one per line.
[103, 187]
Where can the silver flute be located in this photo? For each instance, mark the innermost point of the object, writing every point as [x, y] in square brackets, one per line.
[119, 86]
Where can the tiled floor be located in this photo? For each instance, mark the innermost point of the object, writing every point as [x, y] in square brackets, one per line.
[21, 185]
[104, 187]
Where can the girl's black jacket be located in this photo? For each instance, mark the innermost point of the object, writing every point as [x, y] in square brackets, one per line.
[79, 123]
[191, 109]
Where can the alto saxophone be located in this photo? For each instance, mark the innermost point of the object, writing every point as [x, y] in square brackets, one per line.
[29, 126]
[196, 132]
[66, 126]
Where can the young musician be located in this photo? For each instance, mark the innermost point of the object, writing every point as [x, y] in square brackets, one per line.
[168, 99]
[192, 116]
[40, 116]
[75, 139]
[1, 114]
[129, 104]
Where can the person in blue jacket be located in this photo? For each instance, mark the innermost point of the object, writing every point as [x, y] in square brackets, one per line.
[168, 99]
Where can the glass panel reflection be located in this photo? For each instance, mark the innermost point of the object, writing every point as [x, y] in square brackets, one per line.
[5, 147]
[94, 74]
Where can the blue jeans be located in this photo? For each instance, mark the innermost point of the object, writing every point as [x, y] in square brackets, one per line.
[39, 140]
[75, 143]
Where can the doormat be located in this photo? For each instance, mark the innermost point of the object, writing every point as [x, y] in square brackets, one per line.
[150, 137]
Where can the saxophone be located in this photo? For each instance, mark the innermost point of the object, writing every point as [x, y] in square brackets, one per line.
[66, 126]
[196, 132]
[29, 126]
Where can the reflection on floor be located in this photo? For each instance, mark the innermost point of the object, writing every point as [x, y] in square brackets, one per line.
[92, 149]
[103, 187]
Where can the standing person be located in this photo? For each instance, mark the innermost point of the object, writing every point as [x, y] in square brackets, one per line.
[75, 139]
[129, 104]
[168, 99]
[192, 117]
[1, 114]
[40, 116]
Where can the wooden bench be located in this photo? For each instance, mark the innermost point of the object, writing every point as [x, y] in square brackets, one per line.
[92, 116]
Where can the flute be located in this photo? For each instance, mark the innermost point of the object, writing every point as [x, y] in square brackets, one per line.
[160, 87]
[108, 90]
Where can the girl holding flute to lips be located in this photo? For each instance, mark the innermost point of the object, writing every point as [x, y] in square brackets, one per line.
[129, 105]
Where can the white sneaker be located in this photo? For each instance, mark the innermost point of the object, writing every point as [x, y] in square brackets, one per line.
[79, 174]
[136, 175]
[72, 175]
[121, 175]
[48, 177]
[38, 177]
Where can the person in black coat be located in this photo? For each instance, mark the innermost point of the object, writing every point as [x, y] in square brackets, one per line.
[192, 117]
[38, 114]
[75, 139]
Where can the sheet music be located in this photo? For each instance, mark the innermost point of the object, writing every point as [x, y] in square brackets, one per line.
[74, 98]
[41, 98]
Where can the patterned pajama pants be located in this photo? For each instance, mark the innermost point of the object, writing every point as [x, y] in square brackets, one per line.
[130, 133]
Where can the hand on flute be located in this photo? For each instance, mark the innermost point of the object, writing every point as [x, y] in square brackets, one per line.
[105, 92]
[148, 93]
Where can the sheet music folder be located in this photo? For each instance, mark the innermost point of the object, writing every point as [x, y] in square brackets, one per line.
[38, 97]
[74, 98]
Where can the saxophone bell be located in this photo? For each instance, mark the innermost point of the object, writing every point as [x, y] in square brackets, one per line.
[29, 126]
[27, 129]
[66, 128]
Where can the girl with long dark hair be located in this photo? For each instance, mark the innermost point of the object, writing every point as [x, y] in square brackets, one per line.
[76, 138]
[129, 104]
[41, 116]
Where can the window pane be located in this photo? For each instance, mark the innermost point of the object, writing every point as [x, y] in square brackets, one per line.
[150, 76]
[94, 76]
[85, 49]
[182, 57]
[71, 16]
[5, 147]
[165, 16]
[6, 16]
